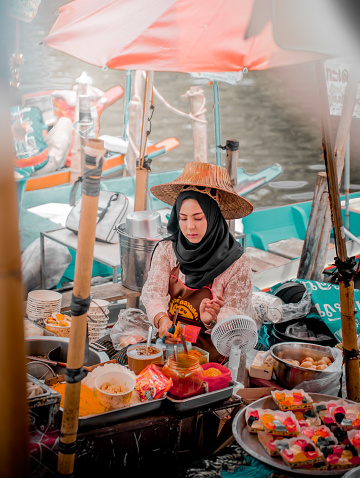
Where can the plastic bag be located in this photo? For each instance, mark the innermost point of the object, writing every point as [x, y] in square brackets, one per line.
[329, 383]
[131, 327]
[57, 259]
[266, 307]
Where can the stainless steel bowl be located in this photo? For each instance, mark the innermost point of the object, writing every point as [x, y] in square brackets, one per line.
[289, 375]
[143, 224]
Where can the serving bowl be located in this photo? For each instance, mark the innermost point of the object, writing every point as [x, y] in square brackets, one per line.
[290, 375]
[125, 380]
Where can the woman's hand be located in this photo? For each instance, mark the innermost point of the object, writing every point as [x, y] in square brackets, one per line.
[164, 326]
[210, 308]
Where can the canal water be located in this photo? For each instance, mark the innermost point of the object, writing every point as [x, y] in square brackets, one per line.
[274, 114]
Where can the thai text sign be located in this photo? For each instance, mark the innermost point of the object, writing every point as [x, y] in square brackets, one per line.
[336, 74]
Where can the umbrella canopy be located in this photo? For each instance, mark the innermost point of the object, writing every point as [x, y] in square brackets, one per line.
[168, 35]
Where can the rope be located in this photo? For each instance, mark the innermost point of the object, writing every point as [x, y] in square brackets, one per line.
[187, 95]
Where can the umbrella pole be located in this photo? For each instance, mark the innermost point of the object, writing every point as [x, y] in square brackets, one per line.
[80, 301]
[217, 122]
[344, 264]
[142, 169]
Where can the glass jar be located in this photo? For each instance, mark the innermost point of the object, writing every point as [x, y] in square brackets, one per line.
[187, 376]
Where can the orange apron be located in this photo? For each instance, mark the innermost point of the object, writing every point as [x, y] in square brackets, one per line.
[188, 302]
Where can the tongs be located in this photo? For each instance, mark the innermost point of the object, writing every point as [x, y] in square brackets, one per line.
[172, 328]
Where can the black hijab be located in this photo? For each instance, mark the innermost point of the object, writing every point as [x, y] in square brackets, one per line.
[217, 250]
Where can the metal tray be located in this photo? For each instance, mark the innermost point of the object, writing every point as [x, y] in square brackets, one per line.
[48, 397]
[112, 417]
[203, 400]
[250, 443]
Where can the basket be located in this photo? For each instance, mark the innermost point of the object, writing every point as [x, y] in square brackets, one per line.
[219, 381]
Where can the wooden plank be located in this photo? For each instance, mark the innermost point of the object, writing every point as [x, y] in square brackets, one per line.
[262, 260]
[290, 248]
[110, 292]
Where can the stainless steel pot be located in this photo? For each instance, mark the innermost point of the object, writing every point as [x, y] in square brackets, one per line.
[143, 224]
[43, 345]
[289, 375]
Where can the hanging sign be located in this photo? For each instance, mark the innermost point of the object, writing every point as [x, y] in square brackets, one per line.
[336, 74]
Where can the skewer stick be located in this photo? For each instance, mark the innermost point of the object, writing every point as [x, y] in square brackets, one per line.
[82, 282]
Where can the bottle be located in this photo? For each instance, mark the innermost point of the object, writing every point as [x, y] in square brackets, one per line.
[187, 376]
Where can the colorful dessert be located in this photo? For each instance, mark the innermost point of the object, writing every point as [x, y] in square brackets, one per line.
[299, 452]
[322, 409]
[307, 418]
[253, 422]
[292, 399]
[269, 441]
[341, 436]
[353, 438]
[341, 456]
[321, 436]
[280, 423]
[346, 416]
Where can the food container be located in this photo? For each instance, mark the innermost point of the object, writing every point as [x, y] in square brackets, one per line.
[218, 381]
[290, 375]
[115, 400]
[187, 375]
[203, 357]
[139, 356]
[58, 328]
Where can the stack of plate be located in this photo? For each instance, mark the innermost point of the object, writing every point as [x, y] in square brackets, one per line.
[41, 304]
[98, 317]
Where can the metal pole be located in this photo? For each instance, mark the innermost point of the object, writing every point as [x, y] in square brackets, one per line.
[127, 101]
[347, 183]
[217, 122]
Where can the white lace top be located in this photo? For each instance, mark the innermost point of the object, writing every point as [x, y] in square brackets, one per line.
[234, 284]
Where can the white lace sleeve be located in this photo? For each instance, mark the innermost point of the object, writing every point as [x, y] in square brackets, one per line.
[155, 293]
[235, 285]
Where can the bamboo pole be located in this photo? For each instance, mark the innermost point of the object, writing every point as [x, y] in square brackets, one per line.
[82, 283]
[142, 169]
[348, 324]
[14, 436]
[320, 216]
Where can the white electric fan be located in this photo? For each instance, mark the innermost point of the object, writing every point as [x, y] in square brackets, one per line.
[233, 337]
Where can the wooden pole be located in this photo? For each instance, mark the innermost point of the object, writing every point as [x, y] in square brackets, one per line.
[14, 420]
[82, 283]
[134, 135]
[348, 324]
[311, 266]
[231, 164]
[142, 170]
[197, 100]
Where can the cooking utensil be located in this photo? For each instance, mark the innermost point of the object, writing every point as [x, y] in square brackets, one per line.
[173, 327]
[184, 343]
[176, 353]
[39, 370]
[143, 223]
[290, 375]
[149, 337]
[61, 378]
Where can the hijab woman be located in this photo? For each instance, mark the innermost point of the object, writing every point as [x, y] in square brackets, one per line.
[199, 269]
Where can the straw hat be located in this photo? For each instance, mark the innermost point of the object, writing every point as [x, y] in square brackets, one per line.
[206, 175]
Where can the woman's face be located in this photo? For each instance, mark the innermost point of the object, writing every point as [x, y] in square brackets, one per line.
[192, 221]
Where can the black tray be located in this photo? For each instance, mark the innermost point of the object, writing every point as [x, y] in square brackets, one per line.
[112, 417]
[208, 398]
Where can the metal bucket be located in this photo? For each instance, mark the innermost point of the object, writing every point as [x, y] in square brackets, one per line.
[135, 253]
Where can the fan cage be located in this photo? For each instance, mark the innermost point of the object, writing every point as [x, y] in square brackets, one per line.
[240, 331]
